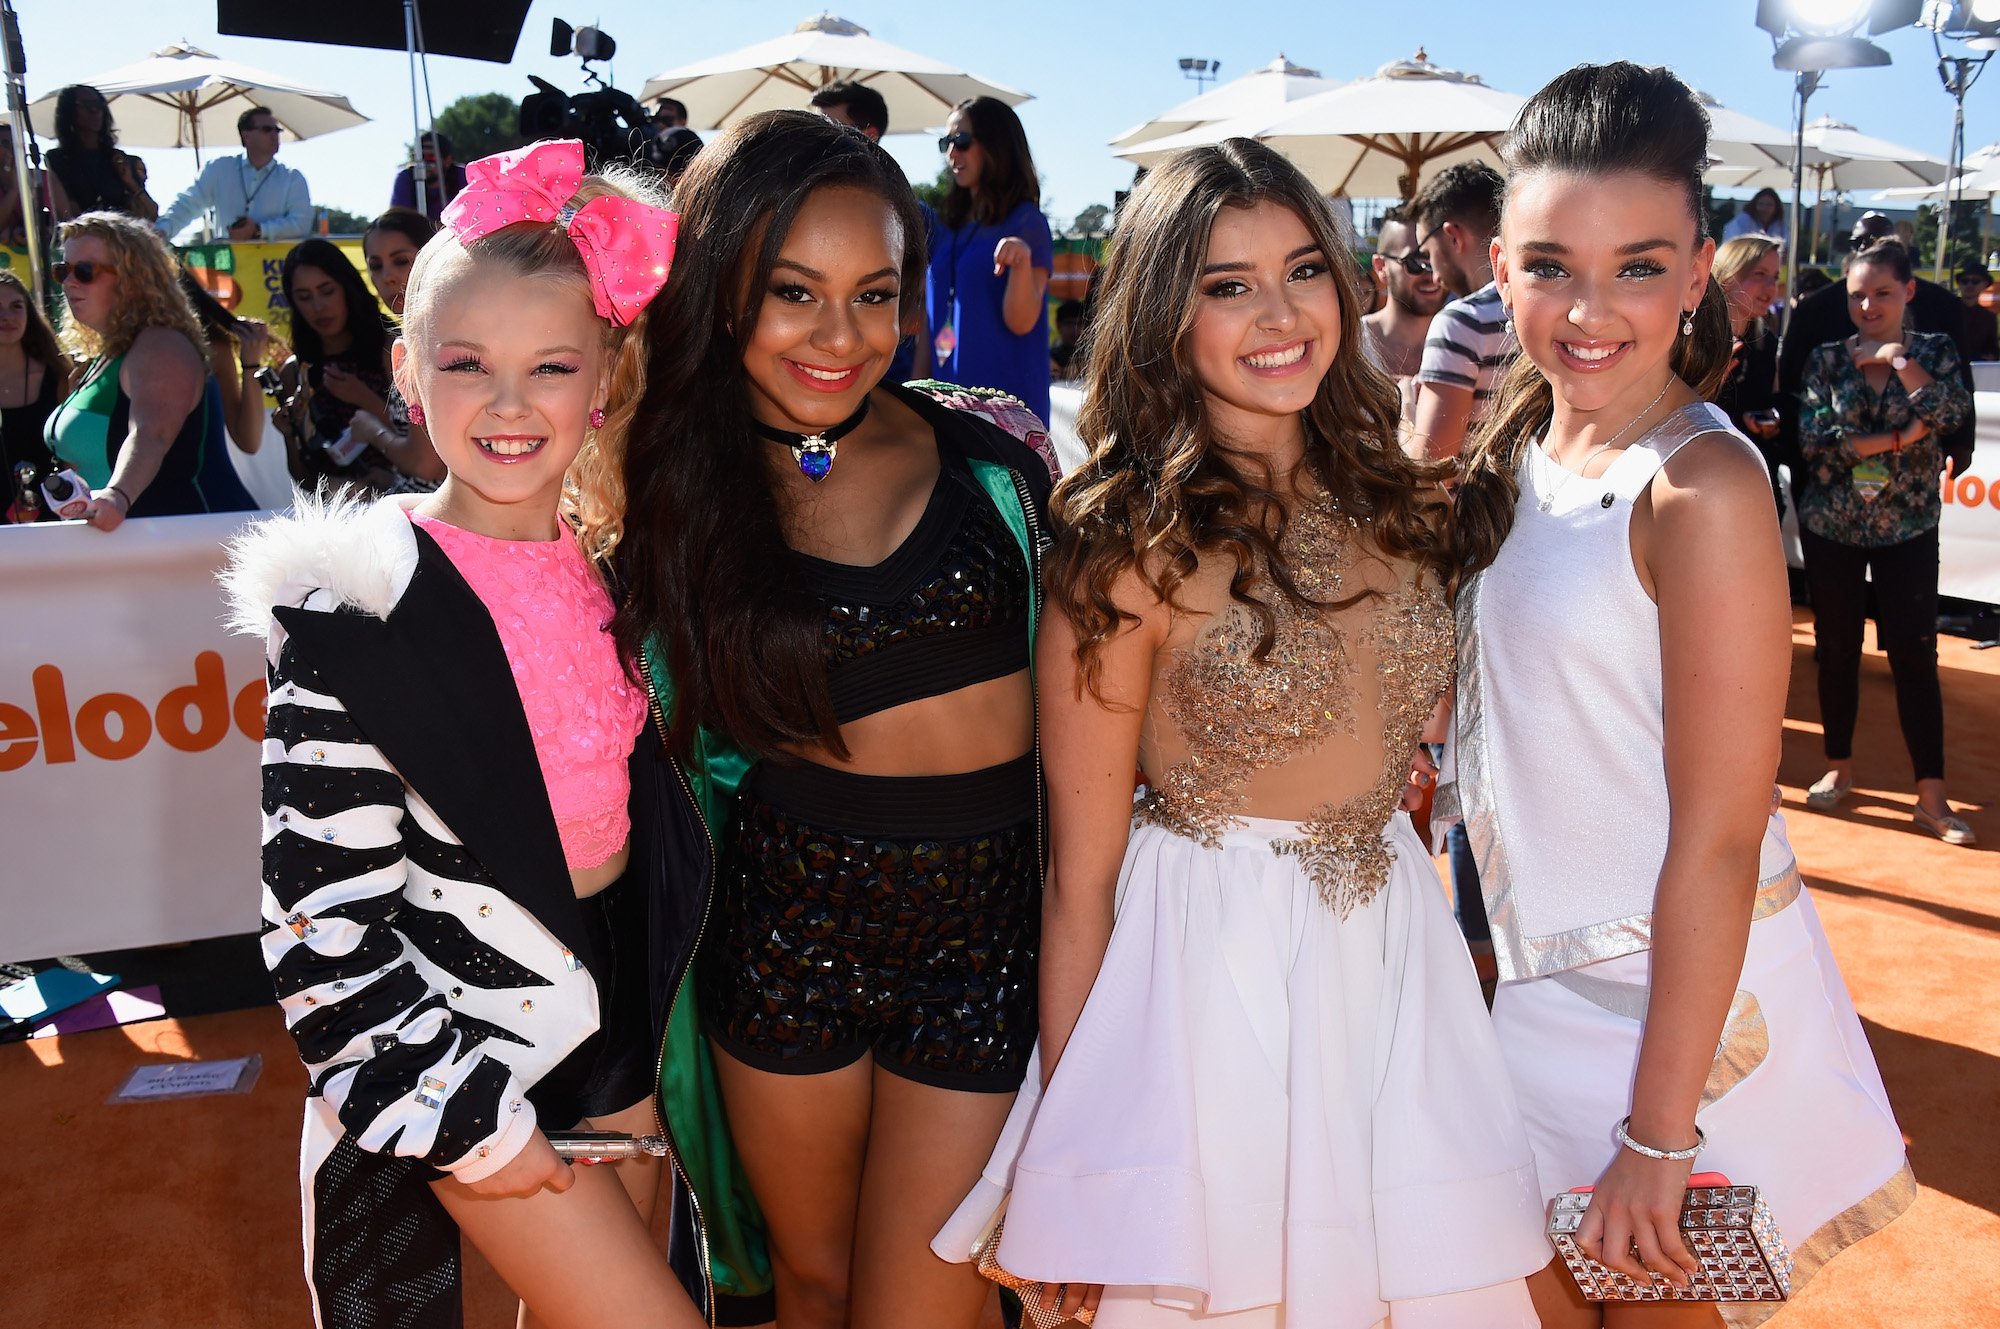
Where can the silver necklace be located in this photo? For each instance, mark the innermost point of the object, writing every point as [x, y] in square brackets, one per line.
[1549, 499]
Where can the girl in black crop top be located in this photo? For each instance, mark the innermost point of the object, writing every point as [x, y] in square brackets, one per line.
[833, 591]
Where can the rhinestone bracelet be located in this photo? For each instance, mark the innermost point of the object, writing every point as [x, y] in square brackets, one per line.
[1623, 1132]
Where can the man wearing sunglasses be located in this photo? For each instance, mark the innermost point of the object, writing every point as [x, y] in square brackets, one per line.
[1394, 334]
[246, 197]
[1457, 215]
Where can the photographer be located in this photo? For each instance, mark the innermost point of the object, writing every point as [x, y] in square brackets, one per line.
[247, 197]
[237, 348]
[337, 428]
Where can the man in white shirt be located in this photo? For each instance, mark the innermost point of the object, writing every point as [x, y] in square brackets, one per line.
[250, 197]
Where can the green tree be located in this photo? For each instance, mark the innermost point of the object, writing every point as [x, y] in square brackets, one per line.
[339, 221]
[479, 126]
[1965, 236]
[1091, 220]
[934, 192]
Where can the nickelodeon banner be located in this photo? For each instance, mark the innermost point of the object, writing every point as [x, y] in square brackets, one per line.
[1969, 534]
[129, 732]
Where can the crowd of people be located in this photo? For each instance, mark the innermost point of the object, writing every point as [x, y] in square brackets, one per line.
[701, 709]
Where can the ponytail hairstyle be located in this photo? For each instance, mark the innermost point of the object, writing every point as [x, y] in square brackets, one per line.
[1161, 488]
[594, 490]
[1599, 120]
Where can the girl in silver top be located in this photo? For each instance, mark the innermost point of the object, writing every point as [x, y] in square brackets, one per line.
[1624, 646]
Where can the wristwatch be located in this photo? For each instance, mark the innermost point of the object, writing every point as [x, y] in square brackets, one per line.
[1899, 363]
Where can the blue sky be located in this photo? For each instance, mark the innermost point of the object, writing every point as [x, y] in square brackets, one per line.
[1095, 68]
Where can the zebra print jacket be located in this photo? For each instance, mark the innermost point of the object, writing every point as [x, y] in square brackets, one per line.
[419, 924]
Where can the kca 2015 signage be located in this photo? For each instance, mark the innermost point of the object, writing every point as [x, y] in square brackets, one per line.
[129, 729]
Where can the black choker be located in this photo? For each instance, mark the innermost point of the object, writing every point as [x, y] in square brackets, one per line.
[814, 452]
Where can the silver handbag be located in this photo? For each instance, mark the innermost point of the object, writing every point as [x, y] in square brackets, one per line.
[1728, 1228]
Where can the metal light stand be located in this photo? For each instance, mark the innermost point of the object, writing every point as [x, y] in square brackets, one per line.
[1203, 72]
[34, 210]
[1804, 83]
[413, 42]
[1958, 73]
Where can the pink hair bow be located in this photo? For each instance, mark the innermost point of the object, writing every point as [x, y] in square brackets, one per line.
[627, 246]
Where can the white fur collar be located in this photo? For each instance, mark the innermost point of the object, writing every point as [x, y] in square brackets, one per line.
[325, 553]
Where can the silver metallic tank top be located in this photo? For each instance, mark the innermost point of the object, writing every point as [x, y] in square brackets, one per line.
[1561, 760]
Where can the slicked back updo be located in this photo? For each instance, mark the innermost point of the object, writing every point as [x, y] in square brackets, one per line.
[1615, 119]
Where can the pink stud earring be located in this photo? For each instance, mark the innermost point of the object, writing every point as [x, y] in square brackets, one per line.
[597, 417]
[416, 413]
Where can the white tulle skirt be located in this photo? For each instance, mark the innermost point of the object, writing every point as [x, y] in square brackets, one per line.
[1268, 1115]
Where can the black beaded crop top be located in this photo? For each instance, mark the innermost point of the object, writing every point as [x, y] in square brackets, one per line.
[948, 609]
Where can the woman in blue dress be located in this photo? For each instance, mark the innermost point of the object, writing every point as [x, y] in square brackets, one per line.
[989, 268]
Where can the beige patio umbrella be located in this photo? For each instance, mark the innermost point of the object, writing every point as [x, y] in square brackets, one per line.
[182, 97]
[1265, 91]
[1376, 137]
[1840, 159]
[782, 73]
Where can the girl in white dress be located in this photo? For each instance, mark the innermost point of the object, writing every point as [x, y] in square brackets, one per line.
[1624, 644]
[1268, 1092]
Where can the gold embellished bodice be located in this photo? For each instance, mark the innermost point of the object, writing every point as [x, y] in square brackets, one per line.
[1321, 730]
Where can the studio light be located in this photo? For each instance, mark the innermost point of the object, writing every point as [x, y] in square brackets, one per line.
[1828, 18]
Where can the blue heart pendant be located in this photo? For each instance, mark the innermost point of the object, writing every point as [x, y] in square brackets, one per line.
[815, 457]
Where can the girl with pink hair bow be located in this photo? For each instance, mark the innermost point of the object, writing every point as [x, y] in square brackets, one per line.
[460, 931]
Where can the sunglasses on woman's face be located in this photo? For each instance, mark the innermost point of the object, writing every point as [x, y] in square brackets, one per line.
[959, 142]
[85, 272]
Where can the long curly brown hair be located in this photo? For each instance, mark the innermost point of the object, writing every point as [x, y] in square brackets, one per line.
[1162, 488]
[149, 288]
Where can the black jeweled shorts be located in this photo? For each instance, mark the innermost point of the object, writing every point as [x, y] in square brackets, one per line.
[893, 915]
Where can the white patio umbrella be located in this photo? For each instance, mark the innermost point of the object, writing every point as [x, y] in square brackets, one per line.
[1375, 137]
[1739, 142]
[780, 74]
[1264, 91]
[182, 97]
[1841, 159]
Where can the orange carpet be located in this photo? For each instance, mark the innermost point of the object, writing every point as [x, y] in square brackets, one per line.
[184, 1216]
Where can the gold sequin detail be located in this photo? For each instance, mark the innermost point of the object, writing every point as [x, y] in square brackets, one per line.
[1238, 714]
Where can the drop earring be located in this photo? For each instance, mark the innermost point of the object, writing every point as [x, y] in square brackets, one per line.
[1509, 325]
[1687, 325]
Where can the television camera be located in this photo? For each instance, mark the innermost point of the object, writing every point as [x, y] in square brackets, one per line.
[610, 122]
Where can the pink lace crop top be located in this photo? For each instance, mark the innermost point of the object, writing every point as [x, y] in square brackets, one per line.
[584, 712]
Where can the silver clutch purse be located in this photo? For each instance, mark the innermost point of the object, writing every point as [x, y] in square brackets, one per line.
[1728, 1228]
[986, 1258]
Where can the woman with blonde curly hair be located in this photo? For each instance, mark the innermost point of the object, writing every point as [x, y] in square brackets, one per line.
[144, 427]
[1747, 270]
[1268, 1091]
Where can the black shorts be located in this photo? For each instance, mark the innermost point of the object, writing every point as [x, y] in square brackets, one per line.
[891, 915]
[613, 1069]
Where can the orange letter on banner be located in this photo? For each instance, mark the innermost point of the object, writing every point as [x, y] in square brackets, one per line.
[250, 710]
[53, 705]
[17, 737]
[208, 695]
[135, 727]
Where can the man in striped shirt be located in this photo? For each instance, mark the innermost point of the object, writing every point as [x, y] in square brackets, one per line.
[1458, 214]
